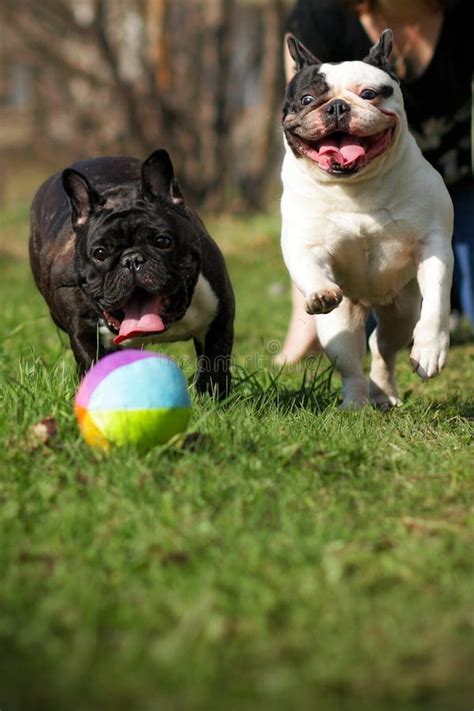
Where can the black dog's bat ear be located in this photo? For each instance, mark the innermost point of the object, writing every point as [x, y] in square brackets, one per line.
[380, 53]
[84, 199]
[158, 178]
[300, 54]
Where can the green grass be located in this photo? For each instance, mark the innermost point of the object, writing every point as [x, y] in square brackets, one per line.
[300, 557]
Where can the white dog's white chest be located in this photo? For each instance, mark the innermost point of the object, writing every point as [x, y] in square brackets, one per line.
[371, 255]
[194, 324]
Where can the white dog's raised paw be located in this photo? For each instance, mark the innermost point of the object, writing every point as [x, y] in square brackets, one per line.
[428, 361]
[324, 300]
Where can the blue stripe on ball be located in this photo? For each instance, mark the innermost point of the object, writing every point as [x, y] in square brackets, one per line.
[140, 385]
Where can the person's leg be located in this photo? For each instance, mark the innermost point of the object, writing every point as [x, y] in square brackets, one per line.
[301, 339]
[463, 247]
[464, 256]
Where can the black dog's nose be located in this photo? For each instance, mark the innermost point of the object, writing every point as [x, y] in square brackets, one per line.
[132, 260]
[337, 108]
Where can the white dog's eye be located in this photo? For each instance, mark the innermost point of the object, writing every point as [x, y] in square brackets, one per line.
[307, 99]
[368, 94]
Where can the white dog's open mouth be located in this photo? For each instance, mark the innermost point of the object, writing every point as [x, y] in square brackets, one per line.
[341, 153]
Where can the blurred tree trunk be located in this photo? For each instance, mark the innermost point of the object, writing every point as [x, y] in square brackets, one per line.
[223, 120]
[158, 46]
[272, 84]
[124, 89]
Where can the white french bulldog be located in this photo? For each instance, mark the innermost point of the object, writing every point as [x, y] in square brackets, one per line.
[367, 222]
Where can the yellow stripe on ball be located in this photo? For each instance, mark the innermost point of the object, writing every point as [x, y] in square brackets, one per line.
[142, 428]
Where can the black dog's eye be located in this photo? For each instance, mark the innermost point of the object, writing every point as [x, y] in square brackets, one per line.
[100, 254]
[163, 242]
[368, 94]
[307, 99]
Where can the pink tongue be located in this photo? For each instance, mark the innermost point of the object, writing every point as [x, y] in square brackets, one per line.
[344, 152]
[141, 317]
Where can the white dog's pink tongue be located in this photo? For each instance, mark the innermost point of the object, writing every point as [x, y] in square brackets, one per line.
[344, 152]
[351, 149]
[141, 317]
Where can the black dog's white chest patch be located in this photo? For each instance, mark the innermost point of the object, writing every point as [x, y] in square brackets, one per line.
[194, 324]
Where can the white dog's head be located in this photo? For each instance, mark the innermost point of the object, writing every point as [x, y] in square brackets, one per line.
[343, 117]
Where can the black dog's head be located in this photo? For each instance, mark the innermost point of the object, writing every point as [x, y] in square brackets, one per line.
[137, 251]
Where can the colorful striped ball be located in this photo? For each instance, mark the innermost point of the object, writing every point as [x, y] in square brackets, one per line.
[132, 397]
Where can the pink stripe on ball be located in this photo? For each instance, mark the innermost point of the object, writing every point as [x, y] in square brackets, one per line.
[105, 366]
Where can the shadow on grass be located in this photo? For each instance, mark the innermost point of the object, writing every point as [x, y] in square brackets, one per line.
[265, 391]
[455, 406]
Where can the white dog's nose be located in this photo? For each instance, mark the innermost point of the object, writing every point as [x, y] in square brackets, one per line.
[337, 108]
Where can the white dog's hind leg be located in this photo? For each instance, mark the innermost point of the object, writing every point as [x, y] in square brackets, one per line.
[395, 325]
[342, 335]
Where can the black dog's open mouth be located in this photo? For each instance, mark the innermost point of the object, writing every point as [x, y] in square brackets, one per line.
[344, 153]
[141, 316]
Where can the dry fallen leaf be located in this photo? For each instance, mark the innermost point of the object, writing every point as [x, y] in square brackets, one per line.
[429, 526]
[41, 433]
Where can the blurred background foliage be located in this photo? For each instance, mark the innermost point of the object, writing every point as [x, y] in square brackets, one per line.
[202, 78]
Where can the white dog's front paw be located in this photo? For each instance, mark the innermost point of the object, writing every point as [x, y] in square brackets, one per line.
[351, 404]
[355, 393]
[384, 398]
[324, 300]
[428, 355]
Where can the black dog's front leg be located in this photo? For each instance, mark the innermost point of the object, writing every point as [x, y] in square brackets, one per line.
[82, 328]
[86, 347]
[213, 374]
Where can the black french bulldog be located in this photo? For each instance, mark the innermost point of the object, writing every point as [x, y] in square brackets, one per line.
[124, 260]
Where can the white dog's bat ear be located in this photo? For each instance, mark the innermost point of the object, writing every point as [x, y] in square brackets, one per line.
[300, 54]
[380, 53]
